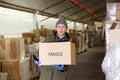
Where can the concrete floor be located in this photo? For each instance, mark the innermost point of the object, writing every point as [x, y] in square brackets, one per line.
[88, 65]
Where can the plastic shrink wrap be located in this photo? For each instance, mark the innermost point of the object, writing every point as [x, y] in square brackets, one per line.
[111, 63]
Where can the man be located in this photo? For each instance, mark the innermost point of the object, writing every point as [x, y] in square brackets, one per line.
[56, 72]
[60, 35]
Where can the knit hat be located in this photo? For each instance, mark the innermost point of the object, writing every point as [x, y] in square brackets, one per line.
[62, 21]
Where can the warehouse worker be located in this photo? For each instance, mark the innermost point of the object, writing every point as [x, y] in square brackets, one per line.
[55, 72]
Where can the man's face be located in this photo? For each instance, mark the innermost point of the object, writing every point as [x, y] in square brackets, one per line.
[61, 29]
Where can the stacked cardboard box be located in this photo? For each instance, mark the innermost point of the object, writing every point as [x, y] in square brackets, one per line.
[83, 42]
[45, 32]
[71, 31]
[90, 39]
[0, 66]
[27, 38]
[86, 40]
[113, 11]
[76, 39]
[3, 76]
[2, 54]
[16, 69]
[15, 62]
[1, 36]
[81, 39]
[14, 48]
[112, 24]
[112, 30]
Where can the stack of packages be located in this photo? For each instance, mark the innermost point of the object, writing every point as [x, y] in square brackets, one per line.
[80, 39]
[112, 22]
[32, 37]
[27, 38]
[83, 41]
[111, 62]
[77, 40]
[14, 65]
[92, 35]
[44, 31]
[86, 40]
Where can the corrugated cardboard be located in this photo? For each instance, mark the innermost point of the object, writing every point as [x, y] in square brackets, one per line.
[0, 66]
[22, 48]
[5, 45]
[27, 34]
[27, 41]
[111, 11]
[118, 15]
[118, 5]
[12, 68]
[14, 45]
[17, 48]
[1, 36]
[3, 76]
[114, 36]
[2, 54]
[17, 69]
[13, 48]
[57, 53]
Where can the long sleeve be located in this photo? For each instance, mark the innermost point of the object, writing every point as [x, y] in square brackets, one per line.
[33, 49]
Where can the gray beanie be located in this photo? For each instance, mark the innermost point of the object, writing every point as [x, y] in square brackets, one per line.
[62, 21]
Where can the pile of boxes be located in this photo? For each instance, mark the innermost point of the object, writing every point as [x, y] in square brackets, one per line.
[14, 65]
[36, 35]
[112, 24]
[111, 62]
[80, 39]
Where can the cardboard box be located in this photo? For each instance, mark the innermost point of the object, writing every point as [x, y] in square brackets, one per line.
[0, 66]
[12, 68]
[111, 11]
[111, 32]
[113, 38]
[1, 36]
[13, 48]
[118, 5]
[3, 76]
[57, 53]
[2, 54]
[21, 48]
[27, 41]
[17, 69]
[5, 46]
[118, 15]
[27, 34]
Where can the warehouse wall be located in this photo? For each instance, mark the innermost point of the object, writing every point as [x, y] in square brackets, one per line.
[48, 23]
[13, 22]
[51, 22]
